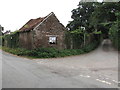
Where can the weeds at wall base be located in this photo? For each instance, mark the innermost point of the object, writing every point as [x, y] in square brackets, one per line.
[50, 52]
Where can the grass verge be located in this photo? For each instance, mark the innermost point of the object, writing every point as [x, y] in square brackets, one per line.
[50, 52]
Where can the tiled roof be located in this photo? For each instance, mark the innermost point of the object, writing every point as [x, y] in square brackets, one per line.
[31, 24]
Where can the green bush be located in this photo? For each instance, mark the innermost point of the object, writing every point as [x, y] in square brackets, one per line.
[1, 38]
[91, 46]
[114, 34]
[51, 52]
[11, 40]
[74, 38]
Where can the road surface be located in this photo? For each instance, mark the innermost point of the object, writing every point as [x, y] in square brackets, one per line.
[97, 69]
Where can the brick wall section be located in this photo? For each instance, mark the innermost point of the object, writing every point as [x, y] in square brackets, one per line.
[39, 36]
[26, 40]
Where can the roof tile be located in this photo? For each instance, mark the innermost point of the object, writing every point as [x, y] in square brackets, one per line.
[32, 23]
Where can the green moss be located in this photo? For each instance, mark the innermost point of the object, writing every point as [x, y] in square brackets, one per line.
[26, 26]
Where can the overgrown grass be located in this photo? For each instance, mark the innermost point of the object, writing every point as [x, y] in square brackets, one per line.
[50, 52]
[0, 47]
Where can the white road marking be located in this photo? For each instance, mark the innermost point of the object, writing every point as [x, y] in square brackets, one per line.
[87, 76]
[103, 81]
[115, 81]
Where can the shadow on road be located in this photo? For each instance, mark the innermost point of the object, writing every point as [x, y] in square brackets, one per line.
[106, 45]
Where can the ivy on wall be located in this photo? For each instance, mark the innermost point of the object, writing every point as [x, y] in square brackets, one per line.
[11, 40]
[78, 39]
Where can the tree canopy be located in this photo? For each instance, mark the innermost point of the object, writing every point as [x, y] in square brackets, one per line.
[1, 30]
[99, 18]
[93, 15]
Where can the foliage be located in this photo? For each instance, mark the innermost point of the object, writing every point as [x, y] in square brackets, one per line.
[97, 32]
[114, 35]
[50, 52]
[1, 40]
[101, 19]
[78, 38]
[90, 15]
[81, 16]
[77, 31]
[80, 27]
[115, 32]
[74, 39]
[1, 30]
[11, 40]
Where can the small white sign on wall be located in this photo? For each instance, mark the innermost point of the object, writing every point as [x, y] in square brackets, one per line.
[52, 40]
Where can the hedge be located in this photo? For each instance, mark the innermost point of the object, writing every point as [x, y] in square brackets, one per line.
[11, 40]
[51, 52]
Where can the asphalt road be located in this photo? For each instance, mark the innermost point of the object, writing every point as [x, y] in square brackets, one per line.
[97, 69]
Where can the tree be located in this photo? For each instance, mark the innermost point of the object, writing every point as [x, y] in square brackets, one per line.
[103, 17]
[93, 15]
[1, 30]
[97, 18]
[115, 32]
[81, 16]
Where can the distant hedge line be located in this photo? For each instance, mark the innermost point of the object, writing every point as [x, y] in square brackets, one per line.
[77, 39]
[115, 32]
[10, 40]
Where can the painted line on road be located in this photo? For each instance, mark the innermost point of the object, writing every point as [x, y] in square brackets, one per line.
[115, 81]
[103, 81]
[87, 76]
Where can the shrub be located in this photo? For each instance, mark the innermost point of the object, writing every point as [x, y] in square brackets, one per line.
[1, 38]
[51, 52]
[114, 34]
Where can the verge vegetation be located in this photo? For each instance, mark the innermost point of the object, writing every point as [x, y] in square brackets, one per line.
[50, 52]
[91, 22]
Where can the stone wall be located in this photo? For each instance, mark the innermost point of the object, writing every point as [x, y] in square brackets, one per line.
[50, 27]
[39, 36]
[26, 40]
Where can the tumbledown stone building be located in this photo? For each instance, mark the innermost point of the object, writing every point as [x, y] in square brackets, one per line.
[42, 32]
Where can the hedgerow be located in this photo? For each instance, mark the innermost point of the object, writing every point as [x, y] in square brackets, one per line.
[51, 52]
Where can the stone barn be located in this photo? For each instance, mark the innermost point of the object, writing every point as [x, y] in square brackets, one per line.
[43, 32]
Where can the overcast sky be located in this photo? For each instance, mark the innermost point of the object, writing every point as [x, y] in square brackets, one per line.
[15, 13]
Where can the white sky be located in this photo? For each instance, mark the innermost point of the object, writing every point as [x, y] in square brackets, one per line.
[15, 13]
